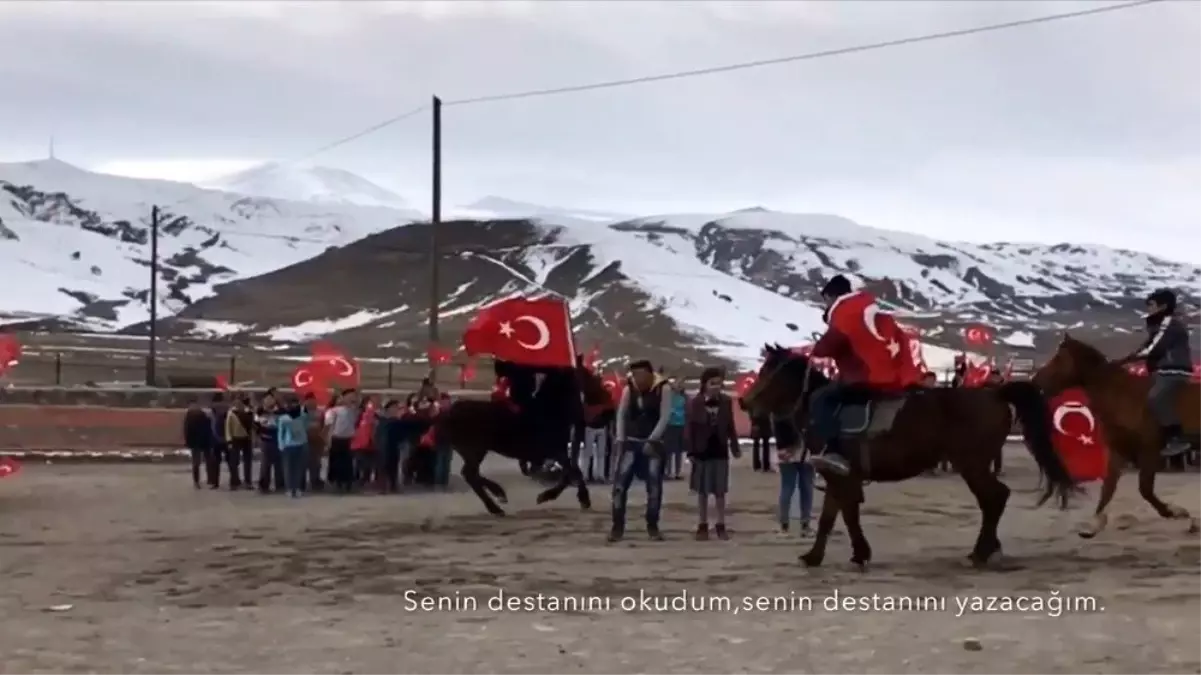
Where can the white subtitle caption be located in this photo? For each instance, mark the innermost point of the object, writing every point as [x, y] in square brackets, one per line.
[1052, 603]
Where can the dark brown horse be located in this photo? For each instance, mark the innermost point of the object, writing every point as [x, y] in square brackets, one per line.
[899, 437]
[1118, 399]
[534, 426]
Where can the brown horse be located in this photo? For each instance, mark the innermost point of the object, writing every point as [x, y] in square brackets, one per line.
[896, 438]
[1118, 399]
[535, 426]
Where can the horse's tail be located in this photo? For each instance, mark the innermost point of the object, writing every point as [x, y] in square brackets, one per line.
[1034, 415]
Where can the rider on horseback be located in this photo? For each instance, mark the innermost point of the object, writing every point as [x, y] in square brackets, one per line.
[1169, 363]
[871, 352]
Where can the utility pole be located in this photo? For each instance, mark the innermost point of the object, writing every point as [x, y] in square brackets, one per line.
[435, 221]
[152, 344]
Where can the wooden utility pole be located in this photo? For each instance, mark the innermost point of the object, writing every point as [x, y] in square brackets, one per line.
[152, 341]
[435, 222]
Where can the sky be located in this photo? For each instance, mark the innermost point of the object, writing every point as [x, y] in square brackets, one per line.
[1085, 130]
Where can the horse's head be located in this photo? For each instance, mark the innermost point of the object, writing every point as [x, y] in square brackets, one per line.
[1074, 364]
[780, 382]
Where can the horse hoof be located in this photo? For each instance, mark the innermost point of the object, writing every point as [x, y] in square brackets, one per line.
[1087, 534]
[811, 559]
[543, 498]
[585, 506]
[499, 513]
[1194, 526]
[861, 564]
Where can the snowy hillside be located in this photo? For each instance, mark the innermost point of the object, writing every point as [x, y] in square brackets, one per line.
[677, 288]
[318, 184]
[79, 241]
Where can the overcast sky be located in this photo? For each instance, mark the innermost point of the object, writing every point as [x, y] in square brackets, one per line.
[1083, 130]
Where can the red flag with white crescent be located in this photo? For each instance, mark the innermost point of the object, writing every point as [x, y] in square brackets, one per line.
[1078, 436]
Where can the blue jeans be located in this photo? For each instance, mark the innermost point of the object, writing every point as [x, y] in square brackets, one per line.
[632, 461]
[796, 477]
[443, 455]
[296, 463]
[823, 412]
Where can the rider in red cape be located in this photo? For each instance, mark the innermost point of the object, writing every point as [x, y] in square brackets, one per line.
[871, 352]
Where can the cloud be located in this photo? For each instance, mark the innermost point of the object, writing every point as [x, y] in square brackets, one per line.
[1074, 130]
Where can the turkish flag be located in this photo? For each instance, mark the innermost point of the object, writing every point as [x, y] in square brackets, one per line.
[874, 337]
[310, 378]
[8, 466]
[613, 383]
[527, 332]
[10, 351]
[438, 356]
[336, 365]
[976, 374]
[744, 382]
[222, 383]
[1078, 437]
[978, 335]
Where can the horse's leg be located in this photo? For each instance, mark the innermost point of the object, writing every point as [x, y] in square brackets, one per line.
[565, 478]
[861, 551]
[825, 525]
[581, 489]
[991, 495]
[471, 475]
[1148, 463]
[495, 488]
[1100, 519]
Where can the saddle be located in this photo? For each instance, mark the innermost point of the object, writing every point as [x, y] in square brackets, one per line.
[865, 414]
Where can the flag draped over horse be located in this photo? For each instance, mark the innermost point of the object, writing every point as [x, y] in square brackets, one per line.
[548, 391]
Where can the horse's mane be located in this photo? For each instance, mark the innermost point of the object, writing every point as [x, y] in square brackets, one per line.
[1086, 356]
[794, 364]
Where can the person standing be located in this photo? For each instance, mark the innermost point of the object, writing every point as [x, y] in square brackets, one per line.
[198, 437]
[796, 476]
[712, 440]
[271, 467]
[238, 423]
[593, 455]
[293, 439]
[362, 445]
[761, 443]
[673, 438]
[642, 416]
[316, 449]
[218, 411]
[341, 421]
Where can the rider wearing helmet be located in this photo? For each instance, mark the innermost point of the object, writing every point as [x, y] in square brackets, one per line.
[871, 352]
[1169, 364]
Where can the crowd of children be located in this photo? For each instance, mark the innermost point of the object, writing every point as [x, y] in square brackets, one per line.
[352, 444]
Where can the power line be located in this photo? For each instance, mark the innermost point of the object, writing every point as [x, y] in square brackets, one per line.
[746, 65]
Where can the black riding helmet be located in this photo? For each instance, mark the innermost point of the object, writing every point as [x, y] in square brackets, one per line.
[837, 286]
[1164, 297]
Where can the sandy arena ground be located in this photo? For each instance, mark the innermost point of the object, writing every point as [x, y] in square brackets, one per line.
[127, 569]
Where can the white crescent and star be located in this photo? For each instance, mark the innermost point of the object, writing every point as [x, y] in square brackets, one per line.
[1069, 408]
[299, 376]
[507, 330]
[869, 322]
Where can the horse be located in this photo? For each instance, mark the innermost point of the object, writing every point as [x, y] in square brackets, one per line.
[895, 437]
[533, 426]
[1118, 399]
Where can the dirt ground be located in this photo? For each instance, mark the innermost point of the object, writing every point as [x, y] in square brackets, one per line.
[110, 568]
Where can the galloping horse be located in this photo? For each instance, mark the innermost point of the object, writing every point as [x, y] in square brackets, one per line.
[534, 426]
[894, 438]
[1118, 399]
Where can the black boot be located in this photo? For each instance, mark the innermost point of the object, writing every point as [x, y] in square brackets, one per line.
[832, 459]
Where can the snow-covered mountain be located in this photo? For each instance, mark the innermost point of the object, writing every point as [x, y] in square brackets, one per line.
[78, 241]
[677, 288]
[320, 184]
[500, 208]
